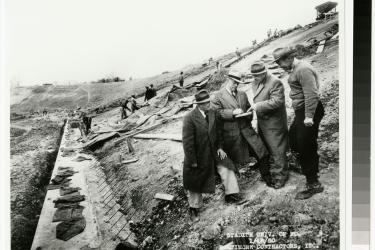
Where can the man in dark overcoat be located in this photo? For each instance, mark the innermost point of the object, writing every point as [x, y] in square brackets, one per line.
[269, 106]
[202, 142]
[240, 139]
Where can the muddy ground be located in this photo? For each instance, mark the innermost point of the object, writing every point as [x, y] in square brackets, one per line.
[165, 225]
[34, 145]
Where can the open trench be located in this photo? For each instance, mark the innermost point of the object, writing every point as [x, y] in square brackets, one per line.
[27, 205]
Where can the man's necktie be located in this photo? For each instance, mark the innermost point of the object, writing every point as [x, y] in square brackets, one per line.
[206, 117]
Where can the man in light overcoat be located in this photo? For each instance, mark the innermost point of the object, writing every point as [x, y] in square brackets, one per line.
[240, 139]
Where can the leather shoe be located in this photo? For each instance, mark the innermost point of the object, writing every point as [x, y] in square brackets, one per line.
[311, 189]
[193, 214]
[234, 199]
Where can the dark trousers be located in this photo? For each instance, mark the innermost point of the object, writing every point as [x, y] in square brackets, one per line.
[304, 141]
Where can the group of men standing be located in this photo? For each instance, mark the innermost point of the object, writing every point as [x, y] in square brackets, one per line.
[218, 136]
[150, 92]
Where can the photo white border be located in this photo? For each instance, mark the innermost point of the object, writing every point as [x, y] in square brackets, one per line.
[346, 124]
[372, 144]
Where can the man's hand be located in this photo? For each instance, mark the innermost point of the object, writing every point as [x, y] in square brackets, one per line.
[252, 108]
[194, 165]
[254, 124]
[308, 122]
[237, 111]
[222, 155]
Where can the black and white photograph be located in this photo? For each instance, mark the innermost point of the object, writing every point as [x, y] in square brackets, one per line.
[175, 124]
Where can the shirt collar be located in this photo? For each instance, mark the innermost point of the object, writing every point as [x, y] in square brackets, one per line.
[295, 62]
[202, 112]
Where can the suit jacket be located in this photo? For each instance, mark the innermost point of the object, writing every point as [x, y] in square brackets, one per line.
[272, 118]
[269, 97]
[200, 141]
[237, 132]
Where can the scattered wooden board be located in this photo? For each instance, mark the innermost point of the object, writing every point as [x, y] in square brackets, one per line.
[129, 161]
[172, 137]
[166, 197]
[321, 46]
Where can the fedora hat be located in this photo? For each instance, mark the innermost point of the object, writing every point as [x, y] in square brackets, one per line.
[258, 68]
[235, 76]
[281, 52]
[202, 97]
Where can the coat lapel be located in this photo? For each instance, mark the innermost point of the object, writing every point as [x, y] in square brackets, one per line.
[260, 86]
[230, 98]
[198, 117]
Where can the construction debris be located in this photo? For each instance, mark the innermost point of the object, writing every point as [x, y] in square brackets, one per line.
[69, 213]
[173, 137]
[129, 161]
[166, 197]
[82, 158]
[321, 46]
[69, 198]
[100, 139]
[68, 229]
[68, 190]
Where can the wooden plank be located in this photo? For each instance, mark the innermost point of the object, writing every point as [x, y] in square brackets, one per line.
[101, 138]
[172, 137]
[166, 197]
[321, 46]
[129, 161]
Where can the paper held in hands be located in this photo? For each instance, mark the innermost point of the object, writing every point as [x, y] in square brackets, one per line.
[244, 114]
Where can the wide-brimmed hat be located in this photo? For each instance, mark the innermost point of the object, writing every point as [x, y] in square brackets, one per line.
[202, 97]
[281, 52]
[258, 68]
[235, 76]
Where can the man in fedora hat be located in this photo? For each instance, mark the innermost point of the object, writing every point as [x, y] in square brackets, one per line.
[240, 139]
[204, 155]
[303, 133]
[269, 105]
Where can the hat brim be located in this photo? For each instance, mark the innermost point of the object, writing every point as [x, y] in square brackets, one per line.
[203, 101]
[236, 80]
[259, 73]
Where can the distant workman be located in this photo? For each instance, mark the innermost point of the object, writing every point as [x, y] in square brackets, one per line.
[269, 105]
[133, 103]
[181, 79]
[308, 109]
[124, 107]
[147, 94]
[204, 155]
[238, 53]
[240, 139]
[152, 91]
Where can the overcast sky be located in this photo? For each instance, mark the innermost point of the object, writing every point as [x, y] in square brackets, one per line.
[84, 40]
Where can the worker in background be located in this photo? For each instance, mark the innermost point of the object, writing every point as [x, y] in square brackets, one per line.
[181, 79]
[133, 103]
[124, 107]
[238, 53]
[309, 111]
[204, 155]
[272, 126]
[152, 91]
[147, 94]
[240, 139]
